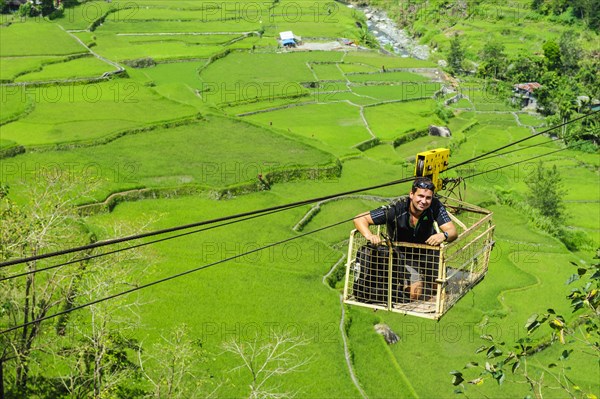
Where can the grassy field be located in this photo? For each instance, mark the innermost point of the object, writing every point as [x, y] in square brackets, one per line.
[279, 290]
[339, 125]
[11, 67]
[16, 103]
[189, 155]
[56, 41]
[378, 60]
[388, 77]
[241, 77]
[159, 48]
[401, 91]
[77, 68]
[174, 127]
[328, 72]
[103, 109]
[391, 121]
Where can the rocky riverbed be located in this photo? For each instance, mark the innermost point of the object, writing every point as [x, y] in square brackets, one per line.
[390, 37]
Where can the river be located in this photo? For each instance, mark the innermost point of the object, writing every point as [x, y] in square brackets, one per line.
[389, 36]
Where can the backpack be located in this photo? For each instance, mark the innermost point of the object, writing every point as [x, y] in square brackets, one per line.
[371, 275]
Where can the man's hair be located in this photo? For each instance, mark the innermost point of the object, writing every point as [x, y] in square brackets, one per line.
[423, 182]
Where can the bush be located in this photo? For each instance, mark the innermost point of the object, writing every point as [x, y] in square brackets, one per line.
[443, 112]
[141, 62]
[546, 193]
[575, 240]
[58, 13]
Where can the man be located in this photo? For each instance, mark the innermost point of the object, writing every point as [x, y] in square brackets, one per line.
[411, 219]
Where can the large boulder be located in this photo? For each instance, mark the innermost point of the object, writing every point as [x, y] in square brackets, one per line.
[440, 131]
[385, 330]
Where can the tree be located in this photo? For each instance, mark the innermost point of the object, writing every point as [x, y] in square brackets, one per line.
[537, 4]
[589, 75]
[570, 52]
[493, 60]
[25, 10]
[566, 102]
[98, 348]
[46, 7]
[365, 37]
[582, 335]
[588, 11]
[265, 359]
[558, 6]
[173, 375]
[552, 54]
[47, 221]
[551, 82]
[525, 68]
[456, 55]
[93, 346]
[546, 192]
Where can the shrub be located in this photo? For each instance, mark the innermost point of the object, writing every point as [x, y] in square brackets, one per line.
[145, 62]
[575, 240]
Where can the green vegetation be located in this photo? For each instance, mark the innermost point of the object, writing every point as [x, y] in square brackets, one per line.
[331, 119]
[103, 110]
[391, 121]
[554, 43]
[377, 60]
[388, 77]
[214, 120]
[190, 155]
[55, 42]
[11, 67]
[578, 345]
[547, 193]
[77, 68]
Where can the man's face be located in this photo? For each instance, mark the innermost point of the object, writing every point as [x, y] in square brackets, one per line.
[421, 199]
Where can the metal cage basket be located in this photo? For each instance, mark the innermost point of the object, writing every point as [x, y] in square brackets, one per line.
[418, 279]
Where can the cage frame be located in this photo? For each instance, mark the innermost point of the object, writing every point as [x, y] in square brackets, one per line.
[473, 245]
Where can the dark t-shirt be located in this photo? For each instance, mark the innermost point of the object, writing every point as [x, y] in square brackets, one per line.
[396, 217]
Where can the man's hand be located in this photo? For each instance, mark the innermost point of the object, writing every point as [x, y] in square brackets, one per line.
[374, 239]
[362, 223]
[436, 239]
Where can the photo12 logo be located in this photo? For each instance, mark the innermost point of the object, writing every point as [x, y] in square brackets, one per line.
[230, 173]
[455, 332]
[125, 172]
[251, 252]
[317, 332]
[270, 12]
[236, 93]
[94, 12]
[114, 91]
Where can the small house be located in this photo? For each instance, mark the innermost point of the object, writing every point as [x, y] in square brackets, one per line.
[288, 39]
[523, 94]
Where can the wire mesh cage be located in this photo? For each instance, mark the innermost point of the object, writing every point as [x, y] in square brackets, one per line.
[419, 279]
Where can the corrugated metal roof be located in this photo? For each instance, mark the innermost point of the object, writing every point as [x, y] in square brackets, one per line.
[286, 35]
[529, 87]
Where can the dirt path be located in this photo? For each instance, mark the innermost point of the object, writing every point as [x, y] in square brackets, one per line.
[119, 68]
[347, 355]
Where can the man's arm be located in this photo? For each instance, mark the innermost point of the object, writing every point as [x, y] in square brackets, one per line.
[362, 223]
[438, 238]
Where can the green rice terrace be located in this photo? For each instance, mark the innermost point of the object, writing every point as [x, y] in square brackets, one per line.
[126, 117]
